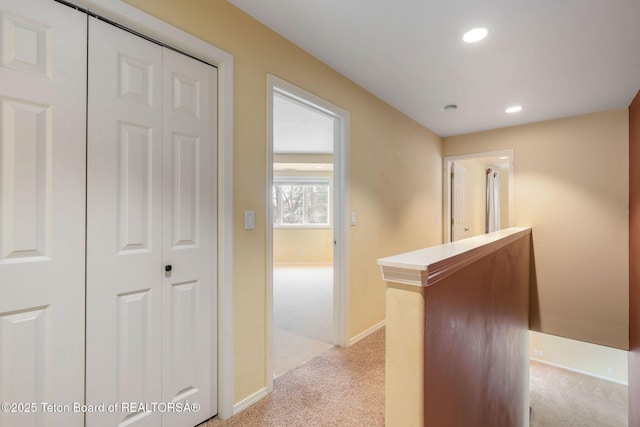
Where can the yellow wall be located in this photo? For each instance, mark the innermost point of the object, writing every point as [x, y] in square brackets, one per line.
[309, 246]
[302, 158]
[405, 355]
[571, 185]
[395, 172]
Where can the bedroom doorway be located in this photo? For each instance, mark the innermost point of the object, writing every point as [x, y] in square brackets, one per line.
[465, 193]
[305, 274]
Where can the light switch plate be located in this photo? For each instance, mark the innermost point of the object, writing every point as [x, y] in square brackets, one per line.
[249, 220]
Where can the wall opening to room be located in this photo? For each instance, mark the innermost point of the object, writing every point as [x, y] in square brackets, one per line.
[305, 238]
[468, 208]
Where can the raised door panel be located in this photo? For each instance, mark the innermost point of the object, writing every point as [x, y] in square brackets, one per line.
[185, 212]
[42, 209]
[25, 178]
[189, 218]
[124, 246]
[135, 188]
[24, 352]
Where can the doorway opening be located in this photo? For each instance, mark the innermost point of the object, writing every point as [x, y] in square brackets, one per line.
[306, 238]
[470, 207]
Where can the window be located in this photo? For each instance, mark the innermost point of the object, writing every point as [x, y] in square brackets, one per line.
[301, 202]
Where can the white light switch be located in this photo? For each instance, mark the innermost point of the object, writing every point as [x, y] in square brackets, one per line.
[353, 218]
[249, 220]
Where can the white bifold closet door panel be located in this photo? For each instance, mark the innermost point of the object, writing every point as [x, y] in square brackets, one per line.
[151, 208]
[124, 244]
[189, 236]
[42, 204]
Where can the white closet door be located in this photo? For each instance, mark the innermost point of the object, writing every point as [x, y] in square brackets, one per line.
[42, 195]
[124, 245]
[151, 204]
[188, 235]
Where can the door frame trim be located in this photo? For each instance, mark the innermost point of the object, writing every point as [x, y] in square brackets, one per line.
[147, 25]
[340, 213]
[446, 205]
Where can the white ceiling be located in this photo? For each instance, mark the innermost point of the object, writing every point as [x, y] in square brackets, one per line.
[556, 58]
[299, 128]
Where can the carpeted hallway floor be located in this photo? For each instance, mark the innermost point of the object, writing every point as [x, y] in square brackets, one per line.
[561, 398]
[341, 387]
[345, 388]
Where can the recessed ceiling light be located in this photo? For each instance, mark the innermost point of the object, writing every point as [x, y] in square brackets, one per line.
[504, 158]
[450, 108]
[514, 109]
[475, 35]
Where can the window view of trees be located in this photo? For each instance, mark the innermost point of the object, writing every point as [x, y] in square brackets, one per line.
[301, 203]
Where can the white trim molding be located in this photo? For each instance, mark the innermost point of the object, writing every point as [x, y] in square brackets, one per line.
[362, 335]
[579, 371]
[250, 400]
[149, 26]
[340, 209]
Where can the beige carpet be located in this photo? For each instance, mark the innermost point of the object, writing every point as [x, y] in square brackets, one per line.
[302, 315]
[303, 302]
[562, 398]
[291, 350]
[345, 388]
[341, 387]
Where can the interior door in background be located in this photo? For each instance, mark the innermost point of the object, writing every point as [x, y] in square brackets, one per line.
[42, 209]
[459, 226]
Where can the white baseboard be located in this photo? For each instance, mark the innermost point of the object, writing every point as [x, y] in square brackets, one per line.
[366, 333]
[591, 374]
[262, 393]
[250, 400]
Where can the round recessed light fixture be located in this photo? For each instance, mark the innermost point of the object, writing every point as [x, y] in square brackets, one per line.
[514, 109]
[475, 35]
[450, 108]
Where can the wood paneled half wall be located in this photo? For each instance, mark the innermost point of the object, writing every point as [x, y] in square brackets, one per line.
[457, 333]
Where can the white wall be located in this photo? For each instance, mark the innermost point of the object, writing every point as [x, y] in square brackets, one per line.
[591, 359]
